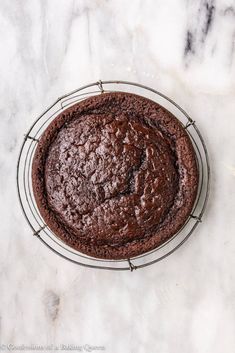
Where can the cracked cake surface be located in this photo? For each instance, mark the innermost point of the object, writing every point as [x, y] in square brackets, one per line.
[115, 176]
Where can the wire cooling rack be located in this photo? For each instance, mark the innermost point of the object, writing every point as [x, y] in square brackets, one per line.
[24, 182]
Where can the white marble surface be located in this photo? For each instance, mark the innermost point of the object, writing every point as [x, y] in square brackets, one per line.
[184, 48]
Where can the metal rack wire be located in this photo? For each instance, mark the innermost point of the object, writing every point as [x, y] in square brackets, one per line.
[24, 182]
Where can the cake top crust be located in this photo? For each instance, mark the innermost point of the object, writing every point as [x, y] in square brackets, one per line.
[115, 175]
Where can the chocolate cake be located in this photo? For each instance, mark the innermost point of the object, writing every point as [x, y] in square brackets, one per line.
[115, 175]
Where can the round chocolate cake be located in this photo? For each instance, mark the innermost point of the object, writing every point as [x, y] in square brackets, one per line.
[115, 175]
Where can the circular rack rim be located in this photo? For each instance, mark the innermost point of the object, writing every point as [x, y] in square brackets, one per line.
[203, 189]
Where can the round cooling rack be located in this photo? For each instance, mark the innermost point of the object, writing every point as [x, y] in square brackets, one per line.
[24, 181]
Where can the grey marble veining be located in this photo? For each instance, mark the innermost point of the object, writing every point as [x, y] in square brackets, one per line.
[183, 48]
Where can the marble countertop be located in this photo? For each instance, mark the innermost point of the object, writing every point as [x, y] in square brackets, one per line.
[183, 48]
